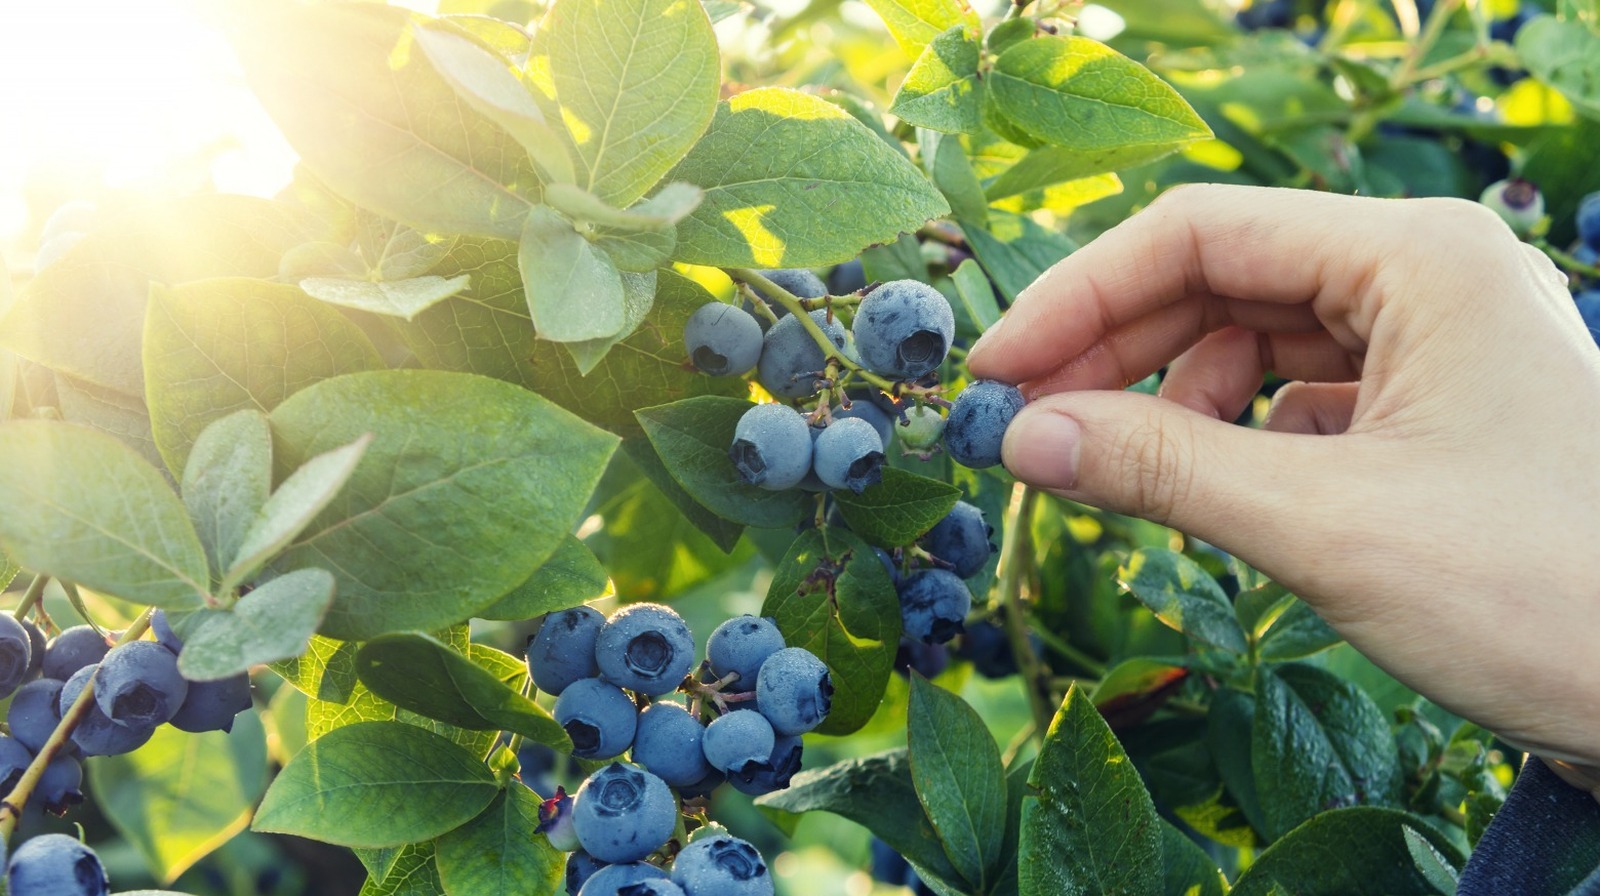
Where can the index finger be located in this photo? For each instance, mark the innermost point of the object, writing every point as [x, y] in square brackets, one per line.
[1224, 244]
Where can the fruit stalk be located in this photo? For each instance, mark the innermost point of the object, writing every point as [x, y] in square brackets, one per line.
[1016, 554]
[796, 307]
[11, 808]
[1567, 262]
[31, 597]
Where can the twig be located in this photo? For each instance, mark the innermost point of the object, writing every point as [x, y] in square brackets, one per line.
[1016, 551]
[31, 597]
[797, 307]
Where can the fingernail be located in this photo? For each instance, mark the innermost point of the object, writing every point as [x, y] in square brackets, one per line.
[1043, 447]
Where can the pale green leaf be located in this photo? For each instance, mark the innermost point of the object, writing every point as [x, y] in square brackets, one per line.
[226, 481]
[916, 23]
[274, 622]
[942, 91]
[1565, 55]
[302, 496]
[1052, 165]
[638, 296]
[574, 290]
[394, 298]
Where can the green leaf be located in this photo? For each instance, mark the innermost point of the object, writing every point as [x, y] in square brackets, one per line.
[652, 551]
[417, 673]
[794, 181]
[1186, 870]
[572, 576]
[408, 871]
[1088, 825]
[1230, 726]
[976, 294]
[1081, 94]
[394, 298]
[109, 411]
[1183, 596]
[916, 23]
[1296, 633]
[1050, 165]
[1350, 852]
[876, 793]
[945, 160]
[376, 784]
[371, 118]
[489, 84]
[942, 89]
[217, 346]
[574, 290]
[833, 597]
[84, 314]
[226, 481]
[500, 851]
[1440, 874]
[955, 766]
[637, 250]
[274, 622]
[671, 204]
[723, 533]
[637, 84]
[638, 295]
[1014, 250]
[96, 514]
[1566, 56]
[508, 469]
[898, 510]
[182, 795]
[692, 437]
[1318, 742]
[292, 507]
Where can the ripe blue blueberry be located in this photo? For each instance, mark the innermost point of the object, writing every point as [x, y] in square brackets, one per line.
[97, 734]
[977, 423]
[1588, 303]
[668, 744]
[73, 649]
[555, 822]
[933, 605]
[926, 660]
[651, 888]
[722, 340]
[61, 785]
[740, 645]
[563, 650]
[1518, 202]
[794, 690]
[162, 629]
[1588, 220]
[847, 278]
[212, 705]
[34, 712]
[775, 772]
[623, 813]
[645, 648]
[704, 786]
[849, 454]
[580, 867]
[138, 684]
[721, 865]
[36, 649]
[14, 760]
[613, 879]
[904, 329]
[599, 718]
[961, 539]
[800, 282]
[988, 648]
[55, 865]
[738, 739]
[878, 417]
[771, 447]
[16, 655]
[791, 360]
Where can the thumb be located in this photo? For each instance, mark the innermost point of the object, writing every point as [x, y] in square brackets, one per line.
[1149, 457]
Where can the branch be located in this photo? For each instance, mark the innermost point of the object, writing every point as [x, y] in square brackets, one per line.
[1016, 555]
[796, 306]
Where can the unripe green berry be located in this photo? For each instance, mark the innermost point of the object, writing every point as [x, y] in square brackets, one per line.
[922, 428]
[1518, 202]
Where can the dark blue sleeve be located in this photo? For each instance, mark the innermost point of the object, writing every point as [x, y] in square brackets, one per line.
[1544, 840]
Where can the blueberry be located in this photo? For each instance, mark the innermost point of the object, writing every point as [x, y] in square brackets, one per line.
[977, 423]
[555, 822]
[580, 867]
[645, 648]
[933, 605]
[722, 340]
[775, 772]
[721, 865]
[988, 648]
[668, 744]
[61, 785]
[612, 879]
[35, 712]
[801, 283]
[795, 690]
[15, 758]
[73, 649]
[138, 684]
[921, 429]
[651, 888]
[847, 278]
[55, 865]
[704, 786]
[878, 417]
[599, 718]
[771, 447]
[623, 813]
[927, 660]
[849, 455]
[1518, 202]
[888, 865]
[162, 629]
[1266, 14]
[563, 650]
[1588, 220]
[904, 329]
[97, 734]
[212, 705]
[961, 539]
[16, 655]
[741, 645]
[36, 649]
[1588, 303]
[738, 739]
[791, 360]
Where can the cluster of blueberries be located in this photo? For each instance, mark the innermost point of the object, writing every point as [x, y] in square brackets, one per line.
[137, 688]
[935, 599]
[608, 676]
[901, 330]
[1588, 251]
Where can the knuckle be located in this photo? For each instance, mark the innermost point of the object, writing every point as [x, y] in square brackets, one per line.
[1157, 462]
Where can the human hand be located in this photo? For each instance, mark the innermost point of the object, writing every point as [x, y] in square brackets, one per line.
[1431, 482]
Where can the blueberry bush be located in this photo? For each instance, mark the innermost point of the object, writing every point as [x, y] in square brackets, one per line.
[571, 482]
